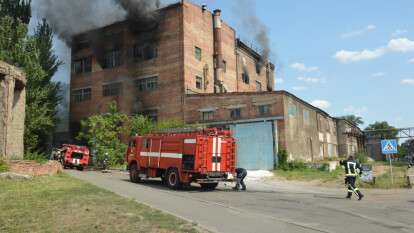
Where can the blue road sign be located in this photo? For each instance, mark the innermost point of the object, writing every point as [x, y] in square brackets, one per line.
[389, 147]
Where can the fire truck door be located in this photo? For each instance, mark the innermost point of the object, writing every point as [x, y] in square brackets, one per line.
[155, 153]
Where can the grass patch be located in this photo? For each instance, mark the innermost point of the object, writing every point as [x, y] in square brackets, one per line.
[63, 204]
[337, 177]
[3, 166]
[310, 174]
[384, 181]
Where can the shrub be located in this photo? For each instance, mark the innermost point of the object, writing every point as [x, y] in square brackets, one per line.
[362, 157]
[294, 165]
[36, 156]
[282, 158]
[3, 166]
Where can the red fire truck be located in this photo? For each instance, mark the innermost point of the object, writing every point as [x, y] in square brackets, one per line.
[74, 156]
[182, 157]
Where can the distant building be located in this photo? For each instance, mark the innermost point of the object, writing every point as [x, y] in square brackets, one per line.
[12, 111]
[351, 140]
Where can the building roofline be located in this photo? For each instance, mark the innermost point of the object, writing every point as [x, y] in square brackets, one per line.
[170, 6]
[280, 92]
[348, 121]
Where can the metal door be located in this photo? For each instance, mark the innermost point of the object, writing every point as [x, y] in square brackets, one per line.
[254, 145]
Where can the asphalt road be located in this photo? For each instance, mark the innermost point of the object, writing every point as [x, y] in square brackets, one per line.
[270, 207]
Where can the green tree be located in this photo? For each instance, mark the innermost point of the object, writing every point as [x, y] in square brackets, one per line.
[50, 64]
[357, 120]
[140, 125]
[44, 40]
[384, 130]
[103, 133]
[19, 49]
[19, 10]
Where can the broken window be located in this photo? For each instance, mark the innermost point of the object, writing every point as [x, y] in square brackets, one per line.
[259, 66]
[199, 82]
[258, 86]
[83, 65]
[235, 114]
[112, 89]
[81, 95]
[147, 84]
[207, 116]
[151, 114]
[198, 53]
[145, 52]
[245, 77]
[113, 59]
[292, 110]
[306, 116]
[264, 110]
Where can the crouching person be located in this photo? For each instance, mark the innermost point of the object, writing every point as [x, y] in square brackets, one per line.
[241, 174]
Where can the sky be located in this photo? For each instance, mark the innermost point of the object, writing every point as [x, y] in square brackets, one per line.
[346, 57]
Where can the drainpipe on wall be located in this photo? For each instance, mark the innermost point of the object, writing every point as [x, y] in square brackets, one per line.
[218, 54]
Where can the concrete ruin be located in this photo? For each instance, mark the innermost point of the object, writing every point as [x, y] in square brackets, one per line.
[12, 111]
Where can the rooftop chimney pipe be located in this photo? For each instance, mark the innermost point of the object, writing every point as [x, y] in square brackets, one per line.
[218, 54]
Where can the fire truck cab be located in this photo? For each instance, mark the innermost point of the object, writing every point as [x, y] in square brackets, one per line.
[183, 157]
[72, 156]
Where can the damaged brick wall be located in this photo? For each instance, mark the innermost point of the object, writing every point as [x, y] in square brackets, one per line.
[12, 111]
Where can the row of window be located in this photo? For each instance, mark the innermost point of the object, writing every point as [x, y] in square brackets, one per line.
[115, 89]
[293, 111]
[236, 113]
[200, 84]
[113, 58]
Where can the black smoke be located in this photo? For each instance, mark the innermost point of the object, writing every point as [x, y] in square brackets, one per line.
[72, 17]
[246, 10]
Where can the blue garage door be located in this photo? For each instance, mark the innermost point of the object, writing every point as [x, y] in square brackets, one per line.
[254, 145]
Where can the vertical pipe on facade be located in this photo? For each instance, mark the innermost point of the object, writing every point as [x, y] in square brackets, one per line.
[218, 55]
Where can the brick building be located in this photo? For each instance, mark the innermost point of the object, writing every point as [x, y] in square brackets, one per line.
[306, 132]
[149, 69]
[12, 111]
[188, 65]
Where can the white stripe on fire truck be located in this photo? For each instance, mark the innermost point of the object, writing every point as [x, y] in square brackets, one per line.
[219, 154]
[190, 141]
[214, 154]
[163, 155]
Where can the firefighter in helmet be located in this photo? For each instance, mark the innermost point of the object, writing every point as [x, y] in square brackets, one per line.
[352, 169]
[241, 174]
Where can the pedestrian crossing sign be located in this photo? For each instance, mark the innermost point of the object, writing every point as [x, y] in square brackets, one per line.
[389, 147]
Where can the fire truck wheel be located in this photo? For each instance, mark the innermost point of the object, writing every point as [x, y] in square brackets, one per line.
[80, 168]
[209, 186]
[134, 173]
[173, 179]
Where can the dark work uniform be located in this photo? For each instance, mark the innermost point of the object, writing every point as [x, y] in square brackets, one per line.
[351, 167]
[241, 174]
[411, 162]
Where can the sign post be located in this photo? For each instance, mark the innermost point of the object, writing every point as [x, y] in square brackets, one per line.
[390, 147]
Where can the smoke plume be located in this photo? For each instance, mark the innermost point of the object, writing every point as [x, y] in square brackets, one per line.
[247, 12]
[71, 17]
